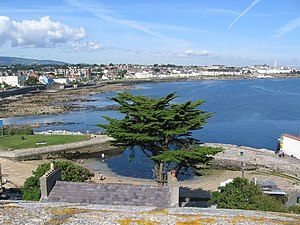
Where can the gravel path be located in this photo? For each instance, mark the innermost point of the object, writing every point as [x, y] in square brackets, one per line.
[64, 213]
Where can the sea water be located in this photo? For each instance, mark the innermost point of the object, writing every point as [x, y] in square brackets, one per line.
[251, 113]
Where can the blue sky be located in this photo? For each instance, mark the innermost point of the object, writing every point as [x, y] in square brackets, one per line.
[190, 32]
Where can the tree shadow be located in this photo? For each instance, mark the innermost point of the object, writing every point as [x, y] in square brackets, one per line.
[194, 197]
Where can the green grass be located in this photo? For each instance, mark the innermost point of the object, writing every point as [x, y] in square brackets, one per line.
[29, 141]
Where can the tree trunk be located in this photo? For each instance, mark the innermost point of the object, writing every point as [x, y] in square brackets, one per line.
[159, 172]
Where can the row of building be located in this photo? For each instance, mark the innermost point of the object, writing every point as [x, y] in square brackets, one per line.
[82, 73]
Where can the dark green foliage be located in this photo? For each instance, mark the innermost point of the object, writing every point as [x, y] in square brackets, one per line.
[195, 156]
[31, 81]
[73, 172]
[31, 189]
[69, 172]
[121, 73]
[160, 129]
[17, 131]
[294, 209]
[241, 194]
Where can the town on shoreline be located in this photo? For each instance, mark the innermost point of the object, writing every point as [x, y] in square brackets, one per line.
[51, 87]
[54, 98]
[24, 75]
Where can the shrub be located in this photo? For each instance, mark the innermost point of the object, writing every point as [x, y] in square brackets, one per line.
[294, 209]
[241, 194]
[69, 172]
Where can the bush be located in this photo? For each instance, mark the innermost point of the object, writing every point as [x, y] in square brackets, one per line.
[241, 194]
[69, 172]
[31, 189]
[294, 209]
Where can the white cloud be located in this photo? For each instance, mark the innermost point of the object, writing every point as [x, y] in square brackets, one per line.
[85, 45]
[292, 25]
[187, 53]
[42, 33]
[219, 11]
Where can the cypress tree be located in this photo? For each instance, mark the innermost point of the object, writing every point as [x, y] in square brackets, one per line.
[161, 130]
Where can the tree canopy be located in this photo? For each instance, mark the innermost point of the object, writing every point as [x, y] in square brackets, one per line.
[31, 81]
[161, 129]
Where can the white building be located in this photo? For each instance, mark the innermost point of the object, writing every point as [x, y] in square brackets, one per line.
[61, 80]
[10, 80]
[274, 71]
[290, 145]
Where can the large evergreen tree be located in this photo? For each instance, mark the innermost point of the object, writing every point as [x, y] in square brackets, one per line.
[161, 130]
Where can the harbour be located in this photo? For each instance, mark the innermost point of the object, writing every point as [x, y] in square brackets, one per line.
[247, 112]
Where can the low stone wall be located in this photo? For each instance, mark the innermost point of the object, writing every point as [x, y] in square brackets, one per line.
[20, 91]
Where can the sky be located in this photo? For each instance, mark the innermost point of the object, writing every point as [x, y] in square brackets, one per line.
[190, 32]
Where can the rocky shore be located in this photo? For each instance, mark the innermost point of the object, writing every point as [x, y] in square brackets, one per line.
[53, 101]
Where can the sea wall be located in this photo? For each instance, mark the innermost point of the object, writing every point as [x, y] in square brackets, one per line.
[20, 91]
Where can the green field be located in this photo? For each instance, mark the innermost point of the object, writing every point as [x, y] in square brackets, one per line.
[29, 141]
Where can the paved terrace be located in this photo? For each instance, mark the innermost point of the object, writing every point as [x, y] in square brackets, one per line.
[65, 213]
[233, 157]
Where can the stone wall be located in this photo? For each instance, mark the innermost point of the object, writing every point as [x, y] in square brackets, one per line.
[48, 180]
[20, 91]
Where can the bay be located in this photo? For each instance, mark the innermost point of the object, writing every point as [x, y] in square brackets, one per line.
[251, 113]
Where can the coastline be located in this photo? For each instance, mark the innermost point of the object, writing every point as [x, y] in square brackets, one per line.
[55, 101]
[52, 101]
[77, 94]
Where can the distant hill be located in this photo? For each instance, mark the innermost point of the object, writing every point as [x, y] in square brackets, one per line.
[5, 61]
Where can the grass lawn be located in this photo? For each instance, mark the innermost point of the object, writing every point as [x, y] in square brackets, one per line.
[29, 141]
